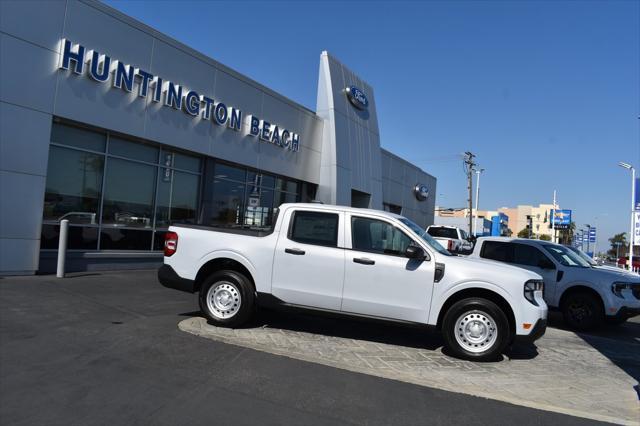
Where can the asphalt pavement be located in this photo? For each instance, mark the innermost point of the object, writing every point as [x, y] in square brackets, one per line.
[105, 348]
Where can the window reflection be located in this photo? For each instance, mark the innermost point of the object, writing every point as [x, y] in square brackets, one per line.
[129, 191]
[74, 181]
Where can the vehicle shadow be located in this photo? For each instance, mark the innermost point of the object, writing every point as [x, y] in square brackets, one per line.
[619, 343]
[417, 337]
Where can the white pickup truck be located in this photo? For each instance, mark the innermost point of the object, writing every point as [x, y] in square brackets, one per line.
[357, 262]
[453, 239]
[586, 295]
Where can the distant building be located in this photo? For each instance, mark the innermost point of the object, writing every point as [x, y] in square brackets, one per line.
[524, 215]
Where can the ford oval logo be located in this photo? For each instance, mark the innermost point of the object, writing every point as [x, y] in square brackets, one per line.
[357, 97]
[421, 191]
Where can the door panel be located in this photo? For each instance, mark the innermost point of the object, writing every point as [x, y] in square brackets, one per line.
[308, 266]
[379, 280]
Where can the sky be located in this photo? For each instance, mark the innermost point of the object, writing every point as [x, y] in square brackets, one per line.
[545, 93]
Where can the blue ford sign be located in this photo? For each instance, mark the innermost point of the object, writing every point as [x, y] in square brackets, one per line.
[421, 192]
[357, 97]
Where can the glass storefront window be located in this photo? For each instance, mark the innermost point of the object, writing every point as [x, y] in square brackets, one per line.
[186, 162]
[133, 150]
[122, 195]
[77, 137]
[79, 237]
[177, 197]
[129, 193]
[227, 203]
[125, 239]
[223, 171]
[73, 189]
[287, 185]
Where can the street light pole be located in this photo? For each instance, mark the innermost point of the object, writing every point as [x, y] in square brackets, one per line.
[633, 190]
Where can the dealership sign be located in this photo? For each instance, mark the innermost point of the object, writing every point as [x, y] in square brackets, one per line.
[561, 219]
[357, 97]
[421, 192]
[104, 69]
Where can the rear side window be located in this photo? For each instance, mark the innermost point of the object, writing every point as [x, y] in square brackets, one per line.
[315, 228]
[443, 232]
[497, 250]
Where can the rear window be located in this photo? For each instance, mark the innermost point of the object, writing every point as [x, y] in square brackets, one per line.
[441, 232]
[497, 250]
[315, 228]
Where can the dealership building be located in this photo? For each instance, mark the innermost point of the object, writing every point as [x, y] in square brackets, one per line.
[122, 130]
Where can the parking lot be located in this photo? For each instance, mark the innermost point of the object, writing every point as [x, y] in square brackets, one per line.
[115, 348]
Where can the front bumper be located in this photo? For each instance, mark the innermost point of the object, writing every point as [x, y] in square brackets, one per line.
[170, 279]
[537, 332]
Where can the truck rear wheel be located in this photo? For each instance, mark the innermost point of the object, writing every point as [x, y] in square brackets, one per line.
[475, 329]
[227, 299]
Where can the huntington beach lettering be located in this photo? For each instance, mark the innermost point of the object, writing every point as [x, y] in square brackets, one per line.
[102, 68]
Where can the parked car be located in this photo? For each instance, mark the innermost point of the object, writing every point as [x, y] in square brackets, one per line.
[623, 262]
[595, 264]
[453, 239]
[357, 262]
[586, 296]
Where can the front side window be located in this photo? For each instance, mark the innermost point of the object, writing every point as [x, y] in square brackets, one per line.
[315, 228]
[377, 236]
[524, 254]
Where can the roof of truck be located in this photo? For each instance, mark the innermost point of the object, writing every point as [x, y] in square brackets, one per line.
[331, 207]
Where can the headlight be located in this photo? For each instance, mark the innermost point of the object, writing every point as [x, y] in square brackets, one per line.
[530, 287]
[617, 288]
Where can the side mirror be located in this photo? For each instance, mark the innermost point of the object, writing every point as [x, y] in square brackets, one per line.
[414, 252]
[546, 264]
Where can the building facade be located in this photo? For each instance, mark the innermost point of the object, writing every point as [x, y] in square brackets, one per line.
[122, 130]
[523, 216]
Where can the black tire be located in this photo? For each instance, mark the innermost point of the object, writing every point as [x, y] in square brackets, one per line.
[484, 310]
[582, 311]
[236, 291]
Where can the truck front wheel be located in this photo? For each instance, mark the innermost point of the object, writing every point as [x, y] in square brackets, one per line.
[227, 299]
[475, 329]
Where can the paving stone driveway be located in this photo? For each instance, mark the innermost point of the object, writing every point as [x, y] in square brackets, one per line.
[562, 373]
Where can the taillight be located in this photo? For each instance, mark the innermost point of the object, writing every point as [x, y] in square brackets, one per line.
[170, 243]
[450, 245]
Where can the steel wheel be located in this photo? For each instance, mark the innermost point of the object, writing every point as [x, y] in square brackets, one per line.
[223, 299]
[476, 331]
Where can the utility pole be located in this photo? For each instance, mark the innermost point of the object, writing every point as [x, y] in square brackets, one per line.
[469, 165]
[478, 171]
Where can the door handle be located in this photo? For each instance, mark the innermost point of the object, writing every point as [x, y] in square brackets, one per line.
[364, 261]
[295, 251]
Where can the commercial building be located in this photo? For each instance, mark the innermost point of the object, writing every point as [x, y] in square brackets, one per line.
[522, 216]
[122, 130]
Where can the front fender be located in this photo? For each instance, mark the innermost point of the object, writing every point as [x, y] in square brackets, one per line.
[442, 298]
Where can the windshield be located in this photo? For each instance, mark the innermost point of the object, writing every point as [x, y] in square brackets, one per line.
[565, 256]
[442, 232]
[584, 256]
[425, 237]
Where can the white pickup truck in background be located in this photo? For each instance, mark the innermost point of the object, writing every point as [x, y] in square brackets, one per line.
[453, 239]
[587, 295]
[357, 262]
